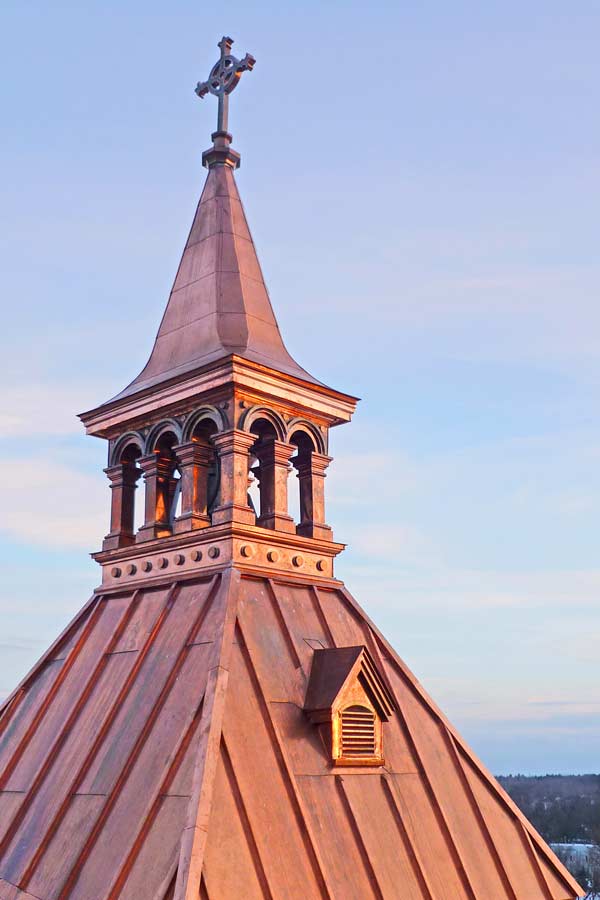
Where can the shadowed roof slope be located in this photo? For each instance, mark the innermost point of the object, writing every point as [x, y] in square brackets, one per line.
[160, 750]
[219, 304]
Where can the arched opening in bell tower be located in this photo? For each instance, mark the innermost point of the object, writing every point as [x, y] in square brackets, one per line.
[134, 510]
[301, 505]
[261, 486]
[168, 493]
[202, 436]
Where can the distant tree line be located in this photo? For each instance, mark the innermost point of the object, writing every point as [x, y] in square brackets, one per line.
[565, 809]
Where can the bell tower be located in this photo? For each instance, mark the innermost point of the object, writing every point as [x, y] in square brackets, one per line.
[222, 424]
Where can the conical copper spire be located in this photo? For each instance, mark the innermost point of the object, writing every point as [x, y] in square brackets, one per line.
[219, 304]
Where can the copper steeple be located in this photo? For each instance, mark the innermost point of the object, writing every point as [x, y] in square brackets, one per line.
[221, 719]
[219, 304]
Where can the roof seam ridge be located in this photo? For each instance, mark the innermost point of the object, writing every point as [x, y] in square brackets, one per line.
[207, 315]
[487, 835]
[192, 846]
[413, 853]
[358, 838]
[64, 732]
[36, 722]
[173, 764]
[234, 787]
[298, 804]
[139, 743]
[103, 728]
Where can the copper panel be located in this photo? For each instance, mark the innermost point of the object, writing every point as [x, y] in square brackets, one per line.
[206, 220]
[65, 846]
[39, 809]
[10, 801]
[394, 870]
[170, 637]
[191, 304]
[147, 609]
[469, 838]
[19, 716]
[262, 787]
[102, 626]
[267, 638]
[418, 813]
[308, 753]
[72, 636]
[232, 865]
[303, 620]
[556, 885]
[347, 870]
[344, 628]
[147, 769]
[506, 834]
[159, 851]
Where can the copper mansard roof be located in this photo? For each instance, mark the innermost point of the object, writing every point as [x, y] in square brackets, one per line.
[172, 744]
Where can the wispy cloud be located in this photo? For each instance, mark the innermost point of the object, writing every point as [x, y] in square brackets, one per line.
[52, 504]
[44, 409]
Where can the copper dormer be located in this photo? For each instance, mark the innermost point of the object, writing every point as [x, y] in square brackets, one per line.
[221, 719]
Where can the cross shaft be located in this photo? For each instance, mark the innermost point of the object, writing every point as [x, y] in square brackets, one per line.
[223, 79]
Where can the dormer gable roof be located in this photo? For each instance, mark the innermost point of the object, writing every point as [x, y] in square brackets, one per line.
[335, 669]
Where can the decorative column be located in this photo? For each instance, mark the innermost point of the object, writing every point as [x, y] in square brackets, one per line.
[159, 483]
[123, 483]
[232, 447]
[194, 458]
[274, 468]
[311, 475]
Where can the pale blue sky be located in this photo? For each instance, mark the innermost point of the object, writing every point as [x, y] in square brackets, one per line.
[422, 183]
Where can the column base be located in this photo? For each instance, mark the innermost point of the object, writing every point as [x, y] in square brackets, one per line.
[114, 541]
[151, 532]
[190, 522]
[315, 530]
[277, 522]
[232, 512]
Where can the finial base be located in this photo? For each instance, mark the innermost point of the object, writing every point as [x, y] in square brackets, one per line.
[221, 154]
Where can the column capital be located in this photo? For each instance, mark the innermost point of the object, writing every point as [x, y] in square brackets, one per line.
[155, 464]
[315, 463]
[234, 440]
[122, 474]
[277, 452]
[194, 453]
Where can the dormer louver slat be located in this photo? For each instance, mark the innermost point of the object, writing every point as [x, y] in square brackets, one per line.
[358, 732]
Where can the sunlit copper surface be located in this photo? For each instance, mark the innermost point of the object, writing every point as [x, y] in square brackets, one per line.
[160, 749]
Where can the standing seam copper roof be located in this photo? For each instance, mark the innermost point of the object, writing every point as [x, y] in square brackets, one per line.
[160, 750]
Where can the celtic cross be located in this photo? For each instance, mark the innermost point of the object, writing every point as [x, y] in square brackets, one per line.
[223, 79]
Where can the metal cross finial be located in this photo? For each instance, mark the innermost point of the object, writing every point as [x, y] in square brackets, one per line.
[223, 79]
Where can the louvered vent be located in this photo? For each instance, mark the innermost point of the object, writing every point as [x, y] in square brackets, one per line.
[358, 732]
